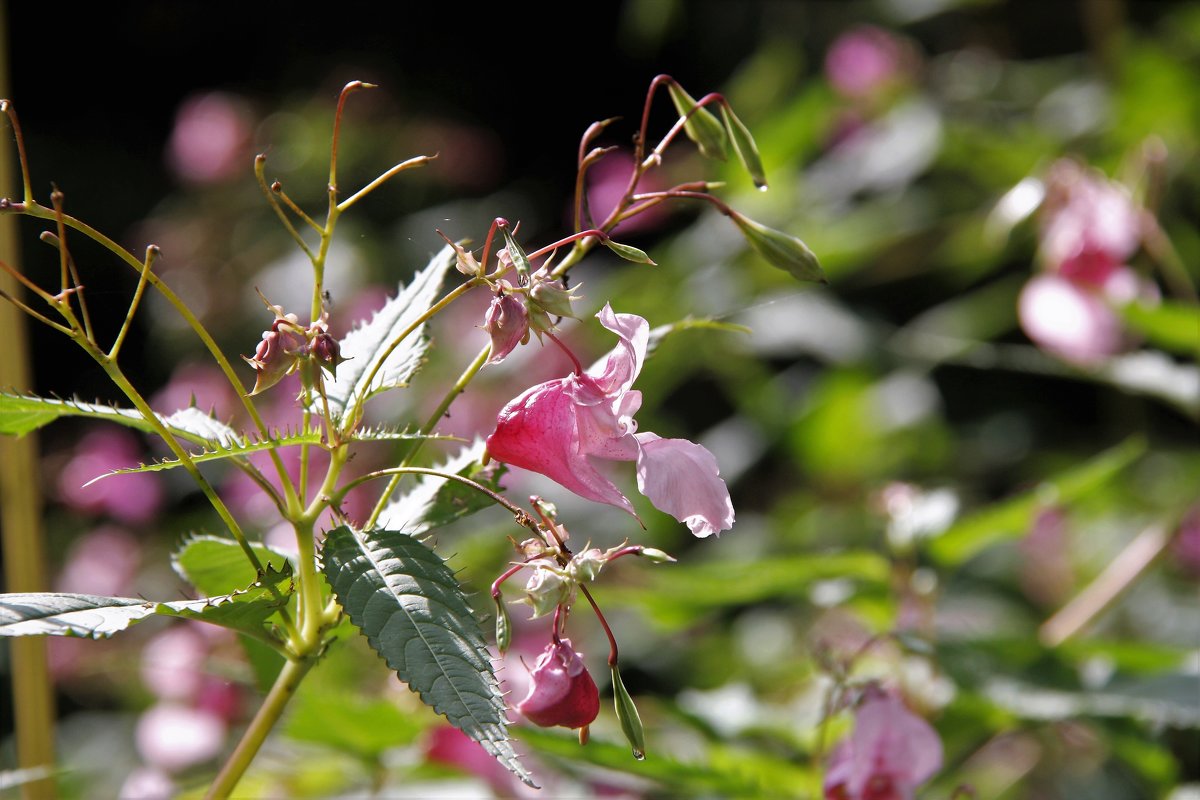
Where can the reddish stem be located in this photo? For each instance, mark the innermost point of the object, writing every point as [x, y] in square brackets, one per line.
[567, 350]
[612, 640]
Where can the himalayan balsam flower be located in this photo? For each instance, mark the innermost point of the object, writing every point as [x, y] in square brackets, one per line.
[562, 427]
[891, 752]
[561, 691]
[1089, 228]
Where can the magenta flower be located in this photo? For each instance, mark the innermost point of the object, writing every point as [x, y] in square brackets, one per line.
[561, 691]
[890, 753]
[561, 428]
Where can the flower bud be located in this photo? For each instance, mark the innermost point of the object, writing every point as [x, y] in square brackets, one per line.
[551, 295]
[586, 566]
[780, 249]
[561, 691]
[507, 322]
[280, 350]
[327, 352]
[546, 589]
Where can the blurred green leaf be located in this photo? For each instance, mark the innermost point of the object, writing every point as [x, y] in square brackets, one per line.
[363, 727]
[1171, 325]
[1009, 519]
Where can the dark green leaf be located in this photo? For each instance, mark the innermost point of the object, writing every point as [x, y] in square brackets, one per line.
[409, 605]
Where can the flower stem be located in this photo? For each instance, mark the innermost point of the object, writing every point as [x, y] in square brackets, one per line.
[269, 713]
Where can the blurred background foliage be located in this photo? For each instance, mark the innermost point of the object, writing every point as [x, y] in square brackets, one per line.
[924, 497]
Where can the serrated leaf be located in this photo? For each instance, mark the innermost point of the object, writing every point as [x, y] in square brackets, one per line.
[368, 348]
[701, 127]
[194, 421]
[744, 146]
[382, 434]
[240, 447]
[215, 565]
[20, 414]
[86, 615]
[434, 502]
[243, 611]
[406, 601]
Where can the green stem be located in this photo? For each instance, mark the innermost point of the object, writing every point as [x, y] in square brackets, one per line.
[268, 715]
[40, 212]
[459, 386]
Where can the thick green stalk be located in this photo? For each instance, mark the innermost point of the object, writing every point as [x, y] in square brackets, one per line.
[256, 733]
[20, 516]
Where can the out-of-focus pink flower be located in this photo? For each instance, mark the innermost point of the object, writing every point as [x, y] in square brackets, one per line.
[1186, 546]
[1046, 575]
[607, 181]
[147, 783]
[891, 752]
[561, 427]
[133, 498]
[1069, 320]
[446, 744]
[173, 737]
[561, 690]
[103, 562]
[173, 663]
[211, 138]
[865, 59]
[202, 385]
[1089, 226]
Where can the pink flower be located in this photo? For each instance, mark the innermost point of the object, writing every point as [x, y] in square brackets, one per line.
[1090, 226]
[1069, 320]
[864, 59]
[211, 139]
[133, 498]
[890, 753]
[173, 737]
[560, 428]
[561, 691]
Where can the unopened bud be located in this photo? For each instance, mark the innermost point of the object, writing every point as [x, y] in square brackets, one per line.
[327, 352]
[507, 322]
[627, 715]
[586, 566]
[701, 127]
[552, 296]
[780, 249]
[546, 590]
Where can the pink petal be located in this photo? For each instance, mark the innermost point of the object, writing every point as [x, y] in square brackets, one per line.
[1068, 320]
[617, 372]
[892, 742]
[682, 479]
[539, 431]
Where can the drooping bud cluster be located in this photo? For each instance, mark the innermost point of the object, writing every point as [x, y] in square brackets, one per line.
[286, 344]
